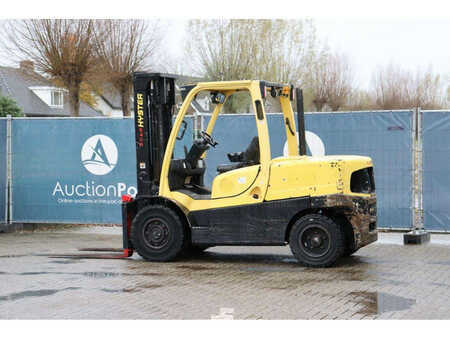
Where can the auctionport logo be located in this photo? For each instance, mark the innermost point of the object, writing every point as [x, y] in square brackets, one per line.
[99, 154]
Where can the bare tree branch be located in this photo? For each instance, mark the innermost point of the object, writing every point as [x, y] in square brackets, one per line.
[396, 88]
[273, 50]
[123, 47]
[61, 49]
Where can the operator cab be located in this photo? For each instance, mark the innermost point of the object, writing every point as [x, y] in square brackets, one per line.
[187, 174]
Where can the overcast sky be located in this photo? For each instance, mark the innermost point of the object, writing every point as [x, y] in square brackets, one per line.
[408, 42]
[411, 33]
[369, 42]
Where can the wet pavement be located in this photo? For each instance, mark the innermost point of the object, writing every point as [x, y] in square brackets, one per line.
[382, 281]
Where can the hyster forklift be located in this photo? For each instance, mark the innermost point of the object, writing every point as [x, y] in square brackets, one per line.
[322, 207]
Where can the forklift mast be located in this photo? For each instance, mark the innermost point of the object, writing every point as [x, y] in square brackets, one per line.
[154, 100]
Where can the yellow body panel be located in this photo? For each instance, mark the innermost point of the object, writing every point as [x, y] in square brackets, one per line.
[312, 176]
[234, 182]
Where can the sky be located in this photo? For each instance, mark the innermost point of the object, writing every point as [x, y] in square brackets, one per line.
[370, 42]
[409, 42]
[410, 33]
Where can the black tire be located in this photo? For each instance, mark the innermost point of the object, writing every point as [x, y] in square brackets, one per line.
[348, 252]
[316, 241]
[158, 234]
[197, 249]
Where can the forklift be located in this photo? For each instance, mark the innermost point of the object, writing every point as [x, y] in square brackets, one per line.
[322, 207]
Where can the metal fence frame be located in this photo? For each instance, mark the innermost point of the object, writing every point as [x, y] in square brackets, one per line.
[7, 119]
[417, 172]
[420, 169]
[9, 169]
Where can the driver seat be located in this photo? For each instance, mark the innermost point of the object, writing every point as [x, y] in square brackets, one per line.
[243, 159]
[223, 168]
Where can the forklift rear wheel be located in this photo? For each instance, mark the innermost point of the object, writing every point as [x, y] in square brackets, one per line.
[157, 233]
[316, 241]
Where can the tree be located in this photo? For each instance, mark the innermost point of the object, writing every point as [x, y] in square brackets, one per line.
[360, 100]
[339, 80]
[61, 49]
[397, 88]
[9, 107]
[123, 47]
[448, 95]
[273, 50]
[331, 80]
[317, 77]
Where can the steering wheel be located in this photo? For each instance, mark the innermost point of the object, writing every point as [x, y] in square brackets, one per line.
[208, 139]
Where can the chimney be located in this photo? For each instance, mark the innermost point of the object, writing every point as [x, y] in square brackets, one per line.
[27, 66]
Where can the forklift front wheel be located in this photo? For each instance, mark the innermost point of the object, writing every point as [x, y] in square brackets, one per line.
[195, 250]
[157, 233]
[316, 241]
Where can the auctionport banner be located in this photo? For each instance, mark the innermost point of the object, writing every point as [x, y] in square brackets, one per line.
[3, 161]
[73, 170]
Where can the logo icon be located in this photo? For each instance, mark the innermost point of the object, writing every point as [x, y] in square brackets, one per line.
[314, 144]
[99, 154]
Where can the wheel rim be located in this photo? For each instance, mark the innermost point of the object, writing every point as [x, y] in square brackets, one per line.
[314, 240]
[155, 233]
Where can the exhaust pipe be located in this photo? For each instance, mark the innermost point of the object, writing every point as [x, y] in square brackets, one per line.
[300, 122]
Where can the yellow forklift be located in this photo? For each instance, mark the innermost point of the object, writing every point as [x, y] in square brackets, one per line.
[322, 207]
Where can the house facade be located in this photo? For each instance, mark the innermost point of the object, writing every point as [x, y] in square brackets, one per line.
[36, 95]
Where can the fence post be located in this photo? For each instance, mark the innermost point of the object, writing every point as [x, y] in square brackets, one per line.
[420, 216]
[9, 169]
[195, 122]
[418, 234]
[413, 169]
[202, 122]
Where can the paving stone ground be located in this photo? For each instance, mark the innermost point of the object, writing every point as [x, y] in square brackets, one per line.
[385, 280]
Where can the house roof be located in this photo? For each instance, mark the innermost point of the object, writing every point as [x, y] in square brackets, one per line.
[112, 97]
[16, 83]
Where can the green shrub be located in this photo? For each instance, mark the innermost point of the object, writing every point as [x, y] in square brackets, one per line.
[9, 107]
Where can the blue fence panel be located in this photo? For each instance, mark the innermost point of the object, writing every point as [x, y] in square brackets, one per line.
[71, 170]
[74, 170]
[384, 136]
[436, 164]
[3, 173]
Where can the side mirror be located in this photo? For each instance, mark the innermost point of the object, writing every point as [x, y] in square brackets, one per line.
[183, 130]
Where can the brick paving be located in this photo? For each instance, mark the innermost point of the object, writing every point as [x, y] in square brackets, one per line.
[385, 280]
